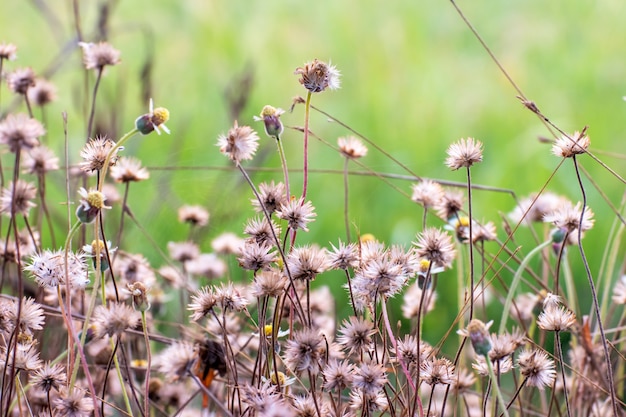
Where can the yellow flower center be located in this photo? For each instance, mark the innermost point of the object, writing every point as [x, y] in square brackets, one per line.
[367, 237]
[268, 330]
[424, 265]
[268, 111]
[281, 378]
[95, 199]
[97, 246]
[160, 115]
[463, 221]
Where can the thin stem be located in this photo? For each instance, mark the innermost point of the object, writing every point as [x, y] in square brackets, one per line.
[283, 163]
[346, 218]
[496, 387]
[146, 399]
[305, 166]
[594, 294]
[471, 242]
[559, 352]
[93, 101]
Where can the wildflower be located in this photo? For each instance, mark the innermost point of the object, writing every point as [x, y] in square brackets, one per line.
[97, 247]
[380, 277]
[49, 377]
[227, 244]
[129, 169]
[114, 319]
[256, 257]
[366, 405]
[270, 116]
[306, 262]
[537, 367]
[479, 336]
[98, 55]
[343, 257]
[568, 146]
[229, 298]
[206, 265]
[21, 80]
[31, 315]
[297, 213]
[484, 232]
[8, 51]
[505, 344]
[317, 76]
[305, 406]
[544, 204]
[24, 356]
[17, 199]
[370, 378]
[91, 204]
[42, 93]
[351, 147]
[73, 403]
[95, 152]
[501, 366]
[619, 291]
[133, 268]
[464, 381]
[40, 160]
[550, 300]
[464, 153]
[262, 232]
[139, 294]
[567, 217]
[436, 247]
[194, 215]
[427, 193]
[202, 303]
[240, 143]
[260, 399]
[19, 131]
[269, 283]
[450, 204]
[337, 375]
[556, 319]
[408, 352]
[154, 120]
[356, 335]
[304, 351]
[48, 268]
[272, 196]
[177, 361]
[183, 251]
[438, 371]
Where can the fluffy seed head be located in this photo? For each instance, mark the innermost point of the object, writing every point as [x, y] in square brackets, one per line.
[435, 246]
[427, 193]
[239, 144]
[129, 169]
[18, 198]
[537, 367]
[19, 131]
[21, 80]
[297, 213]
[98, 55]
[317, 76]
[575, 144]
[464, 153]
[8, 51]
[351, 147]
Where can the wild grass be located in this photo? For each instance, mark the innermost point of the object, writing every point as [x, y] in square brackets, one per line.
[124, 293]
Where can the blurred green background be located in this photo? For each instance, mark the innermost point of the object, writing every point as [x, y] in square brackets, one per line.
[414, 80]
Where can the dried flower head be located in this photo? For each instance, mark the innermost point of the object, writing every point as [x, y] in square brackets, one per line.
[297, 213]
[478, 333]
[129, 169]
[501, 366]
[619, 291]
[270, 116]
[435, 246]
[206, 265]
[42, 93]
[114, 319]
[229, 298]
[272, 196]
[183, 251]
[317, 76]
[412, 307]
[202, 303]
[306, 262]
[94, 154]
[351, 147]
[304, 351]
[484, 232]
[537, 367]
[227, 243]
[19, 131]
[239, 144]
[261, 232]
[21, 356]
[567, 217]
[21, 80]
[370, 378]
[556, 319]
[153, 121]
[73, 403]
[98, 55]
[568, 146]
[355, 335]
[18, 198]
[464, 153]
[343, 257]
[438, 371]
[450, 204]
[48, 268]
[177, 361]
[194, 215]
[269, 283]
[338, 375]
[256, 257]
[31, 317]
[8, 51]
[543, 205]
[40, 160]
[49, 377]
[427, 193]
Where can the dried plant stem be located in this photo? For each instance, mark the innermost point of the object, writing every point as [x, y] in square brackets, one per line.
[144, 325]
[471, 243]
[559, 353]
[283, 164]
[305, 166]
[92, 112]
[594, 294]
[346, 219]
